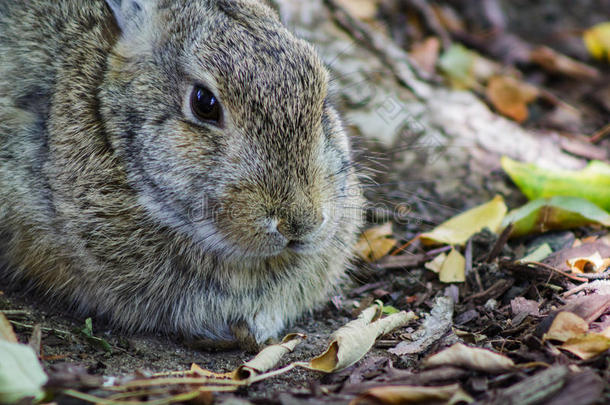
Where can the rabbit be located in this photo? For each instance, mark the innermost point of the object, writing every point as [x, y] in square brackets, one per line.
[172, 166]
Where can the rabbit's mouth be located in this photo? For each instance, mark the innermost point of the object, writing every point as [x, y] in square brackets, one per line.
[298, 246]
[259, 243]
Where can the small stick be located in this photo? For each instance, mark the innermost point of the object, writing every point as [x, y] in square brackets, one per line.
[563, 273]
[600, 134]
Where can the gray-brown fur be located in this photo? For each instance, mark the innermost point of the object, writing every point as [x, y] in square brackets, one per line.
[114, 199]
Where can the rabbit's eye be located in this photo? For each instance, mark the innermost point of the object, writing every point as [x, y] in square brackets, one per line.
[204, 105]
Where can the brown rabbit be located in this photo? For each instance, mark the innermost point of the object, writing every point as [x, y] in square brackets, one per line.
[171, 165]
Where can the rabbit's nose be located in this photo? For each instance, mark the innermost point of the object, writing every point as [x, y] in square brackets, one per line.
[299, 228]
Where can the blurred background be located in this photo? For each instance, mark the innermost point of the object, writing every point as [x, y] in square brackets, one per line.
[436, 92]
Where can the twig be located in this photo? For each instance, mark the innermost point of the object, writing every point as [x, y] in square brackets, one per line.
[600, 134]
[36, 339]
[59, 332]
[406, 245]
[177, 381]
[497, 289]
[596, 276]
[587, 286]
[499, 245]
[272, 373]
[563, 273]
[188, 396]
[15, 313]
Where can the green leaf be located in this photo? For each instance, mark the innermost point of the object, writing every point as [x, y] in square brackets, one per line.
[389, 310]
[87, 332]
[555, 213]
[457, 64]
[21, 375]
[592, 182]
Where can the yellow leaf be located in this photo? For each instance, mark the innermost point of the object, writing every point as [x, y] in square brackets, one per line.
[375, 243]
[436, 263]
[587, 346]
[361, 9]
[565, 326]
[597, 41]
[453, 269]
[460, 228]
[6, 330]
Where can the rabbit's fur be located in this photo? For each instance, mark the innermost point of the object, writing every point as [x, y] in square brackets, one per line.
[113, 195]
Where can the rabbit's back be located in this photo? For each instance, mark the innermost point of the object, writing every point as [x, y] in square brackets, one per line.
[39, 45]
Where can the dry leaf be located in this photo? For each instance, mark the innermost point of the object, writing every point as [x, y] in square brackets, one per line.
[375, 243]
[560, 258]
[201, 372]
[361, 9]
[426, 53]
[449, 18]
[520, 305]
[264, 361]
[511, 96]
[6, 330]
[435, 325]
[588, 345]
[21, 374]
[556, 62]
[590, 264]
[471, 358]
[460, 228]
[352, 341]
[390, 395]
[566, 325]
[588, 307]
[268, 358]
[453, 269]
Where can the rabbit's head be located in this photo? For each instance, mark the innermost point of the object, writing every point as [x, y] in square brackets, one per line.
[221, 119]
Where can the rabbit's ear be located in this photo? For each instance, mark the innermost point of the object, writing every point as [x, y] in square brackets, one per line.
[131, 15]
